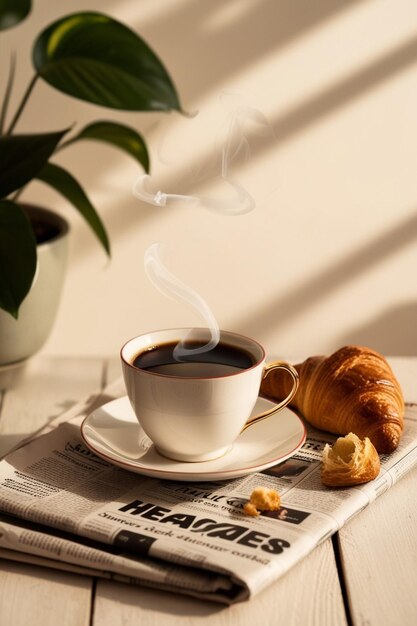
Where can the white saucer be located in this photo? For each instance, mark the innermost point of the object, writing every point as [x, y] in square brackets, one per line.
[113, 433]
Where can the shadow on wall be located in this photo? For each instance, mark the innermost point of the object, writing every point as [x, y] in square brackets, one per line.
[393, 333]
[286, 306]
[285, 126]
[218, 41]
[221, 39]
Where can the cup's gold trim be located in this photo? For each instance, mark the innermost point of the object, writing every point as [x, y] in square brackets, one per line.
[268, 369]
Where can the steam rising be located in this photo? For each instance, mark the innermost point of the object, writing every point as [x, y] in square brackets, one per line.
[243, 123]
[172, 287]
[241, 203]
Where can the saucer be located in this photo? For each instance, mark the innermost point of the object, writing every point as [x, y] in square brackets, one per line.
[113, 433]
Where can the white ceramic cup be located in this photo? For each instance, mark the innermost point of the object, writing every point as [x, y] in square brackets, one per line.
[197, 416]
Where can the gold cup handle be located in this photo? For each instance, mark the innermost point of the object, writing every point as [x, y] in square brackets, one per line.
[278, 365]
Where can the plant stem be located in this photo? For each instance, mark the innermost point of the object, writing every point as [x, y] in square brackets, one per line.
[8, 92]
[22, 104]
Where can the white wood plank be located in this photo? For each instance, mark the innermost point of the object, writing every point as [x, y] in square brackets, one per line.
[49, 386]
[299, 597]
[38, 596]
[29, 594]
[379, 558]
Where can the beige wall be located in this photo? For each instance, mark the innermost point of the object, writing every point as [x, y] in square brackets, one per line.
[329, 255]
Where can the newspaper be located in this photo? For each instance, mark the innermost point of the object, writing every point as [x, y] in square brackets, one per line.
[62, 506]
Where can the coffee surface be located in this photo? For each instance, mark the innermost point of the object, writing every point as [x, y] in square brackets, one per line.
[222, 360]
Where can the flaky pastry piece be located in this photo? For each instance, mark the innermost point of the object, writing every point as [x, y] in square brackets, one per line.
[353, 390]
[349, 461]
[262, 499]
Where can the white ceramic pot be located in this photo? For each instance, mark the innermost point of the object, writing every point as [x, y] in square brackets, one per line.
[22, 338]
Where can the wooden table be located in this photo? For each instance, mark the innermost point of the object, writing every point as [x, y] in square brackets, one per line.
[364, 575]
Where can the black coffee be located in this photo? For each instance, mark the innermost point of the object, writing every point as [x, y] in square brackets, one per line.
[222, 360]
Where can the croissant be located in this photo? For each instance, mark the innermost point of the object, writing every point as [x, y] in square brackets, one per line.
[353, 390]
[349, 462]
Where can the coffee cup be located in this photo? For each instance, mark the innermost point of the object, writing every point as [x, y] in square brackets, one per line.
[193, 409]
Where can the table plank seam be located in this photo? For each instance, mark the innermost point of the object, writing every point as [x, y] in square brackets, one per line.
[93, 601]
[341, 576]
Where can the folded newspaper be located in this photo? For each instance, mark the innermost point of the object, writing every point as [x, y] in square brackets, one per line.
[63, 507]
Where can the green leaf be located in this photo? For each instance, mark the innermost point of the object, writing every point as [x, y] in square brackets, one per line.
[22, 157]
[95, 58]
[118, 135]
[17, 256]
[63, 182]
[13, 11]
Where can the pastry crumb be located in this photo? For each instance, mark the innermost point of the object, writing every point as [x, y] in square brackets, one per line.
[250, 509]
[262, 499]
[350, 461]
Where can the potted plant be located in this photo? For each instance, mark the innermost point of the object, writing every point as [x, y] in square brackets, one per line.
[94, 58]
